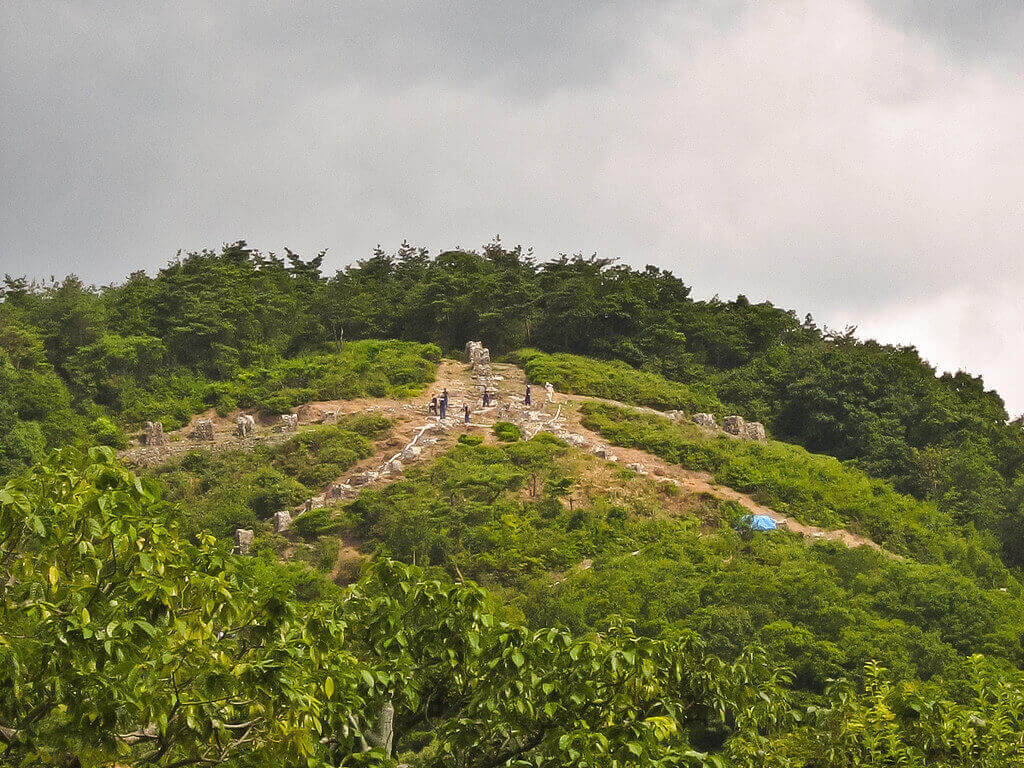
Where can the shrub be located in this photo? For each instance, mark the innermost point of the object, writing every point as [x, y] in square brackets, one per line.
[507, 432]
[467, 439]
[316, 523]
[105, 432]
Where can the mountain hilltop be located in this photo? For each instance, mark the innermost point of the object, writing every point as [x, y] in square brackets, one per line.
[235, 527]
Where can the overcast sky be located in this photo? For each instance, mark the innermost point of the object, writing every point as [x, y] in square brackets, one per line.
[859, 160]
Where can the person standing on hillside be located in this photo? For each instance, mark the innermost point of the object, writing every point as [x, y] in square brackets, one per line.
[487, 397]
[550, 389]
[526, 399]
[432, 408]
[465, 412]
[444, 404]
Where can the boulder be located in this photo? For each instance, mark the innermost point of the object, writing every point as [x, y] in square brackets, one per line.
[362, 478]
[244, 538]
[754, 430]
[637, 467]
[337, 489]
[289, 422]
[245, 425]
[393, 467]
[282, 521]
[733, 425]
[411, 452]
[706, 420]
[479, 356]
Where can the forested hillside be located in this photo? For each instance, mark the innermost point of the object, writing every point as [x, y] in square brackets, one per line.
[626, 614]
[162, 347]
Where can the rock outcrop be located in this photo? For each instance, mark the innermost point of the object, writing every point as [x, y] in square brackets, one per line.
[740, 427]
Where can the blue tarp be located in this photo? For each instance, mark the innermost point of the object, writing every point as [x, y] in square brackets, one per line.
[760, 523]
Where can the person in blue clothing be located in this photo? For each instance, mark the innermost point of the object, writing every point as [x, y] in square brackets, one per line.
[465, 412]
[444, 404]
[527, 398]
[432, 408]
[487, 397]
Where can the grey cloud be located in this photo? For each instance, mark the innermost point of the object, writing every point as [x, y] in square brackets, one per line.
[862, 162]
[988, 30]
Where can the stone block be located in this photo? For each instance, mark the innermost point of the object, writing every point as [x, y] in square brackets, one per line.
[733, 425]
[153, 434]
[706, 420]
[244, 538]
[203, 431]
[245, 425]
[282, 521]
[754, 430]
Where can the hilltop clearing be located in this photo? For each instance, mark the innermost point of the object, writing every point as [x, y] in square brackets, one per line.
[412, 427]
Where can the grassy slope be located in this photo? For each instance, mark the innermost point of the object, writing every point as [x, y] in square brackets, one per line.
[243, 489]
[824, 609]
[614, 380]
[813, 488]
[369, 368]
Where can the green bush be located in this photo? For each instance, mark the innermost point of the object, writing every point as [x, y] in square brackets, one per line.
[105, 432]
[507, 432]
[316, 523]
[467, 439]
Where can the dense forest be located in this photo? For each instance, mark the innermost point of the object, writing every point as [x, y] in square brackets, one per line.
[130, 634]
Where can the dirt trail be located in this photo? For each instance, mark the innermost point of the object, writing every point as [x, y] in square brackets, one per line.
[417, 436]
[568, 421]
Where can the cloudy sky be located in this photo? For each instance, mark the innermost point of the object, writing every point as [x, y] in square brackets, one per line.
[861, 160]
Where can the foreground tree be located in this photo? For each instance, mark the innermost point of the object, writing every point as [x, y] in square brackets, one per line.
[121, 641]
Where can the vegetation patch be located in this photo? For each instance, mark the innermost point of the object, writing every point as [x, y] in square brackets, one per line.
[238, 489]
[814, 489]
[615, 380]
[506, 431]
